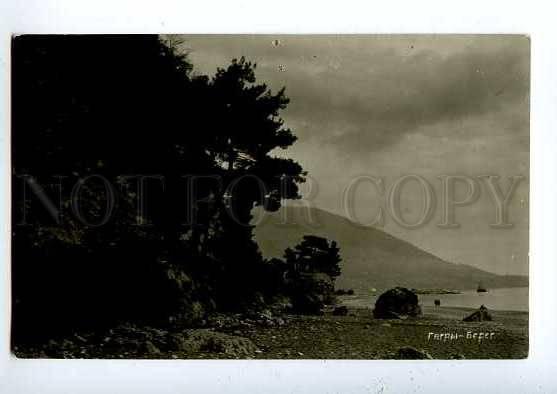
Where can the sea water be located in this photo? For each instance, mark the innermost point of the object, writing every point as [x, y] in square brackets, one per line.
[505, 299]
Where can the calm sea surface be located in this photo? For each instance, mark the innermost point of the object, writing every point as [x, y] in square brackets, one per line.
[506, 299]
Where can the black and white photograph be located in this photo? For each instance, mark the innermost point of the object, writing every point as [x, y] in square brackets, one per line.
[294, 197]
[270, 196]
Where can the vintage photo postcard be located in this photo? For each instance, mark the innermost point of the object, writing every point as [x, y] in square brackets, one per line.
[270, 196]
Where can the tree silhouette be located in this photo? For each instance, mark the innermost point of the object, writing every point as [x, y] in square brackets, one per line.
[121, 125]
[311, 269]
[101, 106]
[314, 255]
[246, 130]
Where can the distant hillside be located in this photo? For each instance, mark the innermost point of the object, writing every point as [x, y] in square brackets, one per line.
[373, 258]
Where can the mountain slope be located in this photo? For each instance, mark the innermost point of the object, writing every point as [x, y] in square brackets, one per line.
[371, 257]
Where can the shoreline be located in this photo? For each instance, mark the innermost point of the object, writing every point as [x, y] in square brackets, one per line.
[439, 332]
[501, 299]
[447, 307]
[359, 336]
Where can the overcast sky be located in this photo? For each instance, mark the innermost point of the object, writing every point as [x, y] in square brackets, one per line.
[394, 105]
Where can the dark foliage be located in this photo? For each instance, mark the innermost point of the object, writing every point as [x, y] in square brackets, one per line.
[314, 255]
[91, 115]
[311, 269]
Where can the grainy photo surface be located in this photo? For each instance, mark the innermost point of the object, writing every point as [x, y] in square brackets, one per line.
[270, 197]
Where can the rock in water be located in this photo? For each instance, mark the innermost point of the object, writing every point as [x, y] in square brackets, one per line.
[481, 314]
[340, 311]
[397, 303]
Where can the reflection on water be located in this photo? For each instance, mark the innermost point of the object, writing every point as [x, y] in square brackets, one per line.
[508, 299]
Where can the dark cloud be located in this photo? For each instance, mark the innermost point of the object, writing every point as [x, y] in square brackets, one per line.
[393, 105]
[362, 93]
[366, 112]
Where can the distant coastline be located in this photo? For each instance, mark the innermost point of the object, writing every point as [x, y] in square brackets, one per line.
[435, 291]
[501, 299]
[373, 258]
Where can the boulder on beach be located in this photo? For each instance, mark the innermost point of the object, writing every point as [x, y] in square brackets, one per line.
[397, 303]
[207, 340]
[482, 314]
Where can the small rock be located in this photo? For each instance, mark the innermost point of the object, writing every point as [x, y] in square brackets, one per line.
[340, 311]
[481, 314]
[266, 314]
[410, 353]
[149, 348]
[215, 342]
